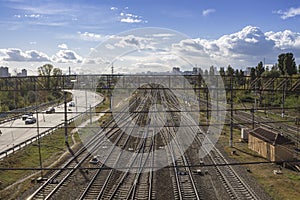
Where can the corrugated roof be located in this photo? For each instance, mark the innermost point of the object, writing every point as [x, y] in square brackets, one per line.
[270, 136]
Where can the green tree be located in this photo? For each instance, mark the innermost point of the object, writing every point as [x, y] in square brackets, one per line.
[57, 73]
[229, 71]
[287, 64]
[252, 74]
[222, 71]
[46, 71]
[259, 69]
[242, 78]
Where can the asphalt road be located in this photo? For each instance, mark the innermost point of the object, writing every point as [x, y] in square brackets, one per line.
[15, 132]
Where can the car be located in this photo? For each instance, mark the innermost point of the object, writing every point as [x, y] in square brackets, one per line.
[50, 110]
[72, 104]
[30, 120]
[95, 160]
[26, 115]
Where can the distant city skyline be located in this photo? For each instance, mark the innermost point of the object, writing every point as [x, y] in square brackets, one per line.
[63, 33]
[6, 72]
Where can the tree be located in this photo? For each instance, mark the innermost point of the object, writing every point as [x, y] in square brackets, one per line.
[281, 63]
[259, 69]
[211, 71]
[275, 67]
[229, 71]
[287, 64]
[252, 74]
[46, 71]
[290, 64]
[242, 78]
[56, 79]
[222, 71]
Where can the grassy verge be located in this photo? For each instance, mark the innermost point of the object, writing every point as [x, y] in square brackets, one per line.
[52, 148]
[283, 186]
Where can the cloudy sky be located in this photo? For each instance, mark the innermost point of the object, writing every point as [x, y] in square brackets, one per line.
[86, 34]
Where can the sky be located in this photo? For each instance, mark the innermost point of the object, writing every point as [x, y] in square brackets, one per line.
[146, 35]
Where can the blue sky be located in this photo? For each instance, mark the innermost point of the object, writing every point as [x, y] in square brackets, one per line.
[235, 32]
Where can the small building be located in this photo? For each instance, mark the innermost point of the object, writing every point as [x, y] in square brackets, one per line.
[270, 144]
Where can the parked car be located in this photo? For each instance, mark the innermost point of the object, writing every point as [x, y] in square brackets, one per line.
[25, 116]
[72, 104]
[50, 110]
[30, 120]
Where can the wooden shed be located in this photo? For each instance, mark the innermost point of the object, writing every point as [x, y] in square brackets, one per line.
[270, 144]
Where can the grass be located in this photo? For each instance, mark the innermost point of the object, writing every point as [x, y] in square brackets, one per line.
[52, 147]
[284, 186]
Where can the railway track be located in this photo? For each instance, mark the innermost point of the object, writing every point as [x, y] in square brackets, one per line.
[60, 177]
[234, 184]
[135, 180]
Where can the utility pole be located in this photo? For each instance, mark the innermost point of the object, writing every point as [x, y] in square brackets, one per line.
[298, 123]
[283, 99]
[231, 113]
[38, 128]
[207, 105]
[66, 119]
[199, 103]
[252, 111]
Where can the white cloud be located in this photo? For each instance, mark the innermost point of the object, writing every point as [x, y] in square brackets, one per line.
[13, 54]
[130, 18]
[133, 41]
[292, 12]
[18, 55]
[62, 46]
[284, 39]
[243, 48]
[248, 45]
[66, 56]
[162, 35]
[113, 8]
[91, 36]
[32, 16]
[208, 12]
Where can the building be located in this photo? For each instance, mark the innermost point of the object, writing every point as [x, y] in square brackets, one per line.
[176, 70]
[271, 145]
[4, 72]
[23, 73]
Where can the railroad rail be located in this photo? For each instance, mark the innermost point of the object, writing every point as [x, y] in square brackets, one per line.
[112, 183]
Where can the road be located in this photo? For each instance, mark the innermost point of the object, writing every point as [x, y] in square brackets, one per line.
[15, 132]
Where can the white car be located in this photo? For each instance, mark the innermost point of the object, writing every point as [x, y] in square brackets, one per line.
[25, 116]
[30, 120]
